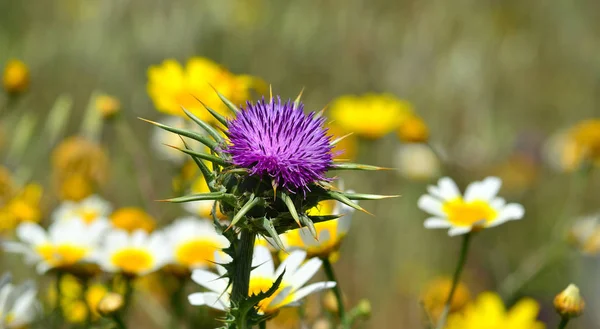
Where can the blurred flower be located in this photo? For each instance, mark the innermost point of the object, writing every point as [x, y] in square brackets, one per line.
[18, 304]
[77, 156]
[371, 115]
[75, 301]
[413, 130]
[65, 245]
[171, 87]
[131, 219]
[489, 312]
[329, 233]
[7, 185]
[416, 162]
[133, 254]
[569, 303]
[110, 303]
[585, 234]
[89, 210]
[262, 277]
[330, 303]
[193, 242]
[518, 172]
[108, 106]
[23, 207]
[346, 148]
[569, 150]
[436, 293]
[16, 77]
[479, 208]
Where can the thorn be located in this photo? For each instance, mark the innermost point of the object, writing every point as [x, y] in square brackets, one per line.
[270, 92]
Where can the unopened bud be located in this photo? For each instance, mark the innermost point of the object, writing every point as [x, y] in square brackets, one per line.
[569, 303]
[16, 77]
[110, 304]
[330, 301]
[364, 308]
[108, 106]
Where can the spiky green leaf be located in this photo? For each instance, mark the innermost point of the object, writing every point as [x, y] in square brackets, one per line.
[291, 207]
[198, 197]
[354, 166]
[308, 223]
[227, 102]
[204, 156]
[343, 199]
[190, 134]
[206, 172]
[361, 196]
[267, 224]
[251, 203]
[208, 128]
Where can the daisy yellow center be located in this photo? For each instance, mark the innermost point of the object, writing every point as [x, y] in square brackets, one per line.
[195, 253]
[62, 255]
[132, 260]
[462, 213]
[262, 284]
[88, 215]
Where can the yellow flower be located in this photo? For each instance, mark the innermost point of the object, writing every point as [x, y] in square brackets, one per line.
[413, 130]
[569, 150]
[371, 116]
[172, 86]
[586, 135]
[7, 185]
[77, 156]
[74, 298]
[569, 303]
[108, 106]
[436, 293]
[489, 312]
[23, 207]
[131, 219]
[16, 77]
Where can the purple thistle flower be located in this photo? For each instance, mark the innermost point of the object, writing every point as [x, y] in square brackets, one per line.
[281, 141]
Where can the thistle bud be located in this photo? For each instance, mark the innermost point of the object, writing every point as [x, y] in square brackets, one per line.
[16, 77]
[413, 130]
[569, 303]
[110, 304]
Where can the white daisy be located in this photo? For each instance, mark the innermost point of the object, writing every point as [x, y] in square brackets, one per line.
[18, 304]
[88, 209]
[478, 208]
[262, 277]
[137, 253]
[193, 242]
[416, 161]
[329, 233]
[65, 244]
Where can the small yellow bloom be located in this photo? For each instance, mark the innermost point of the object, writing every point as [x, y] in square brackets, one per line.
[569, 303]
[131, 219]
[23, 207]
[110, 303]
[74, 298]
[77, 156]
[489, 312]
[76, 187]
[580, 145]
[171, 86]
[587, 136]
[16, 77]
[436, 293]
[413, 130]
[108, 106]
[370, 116]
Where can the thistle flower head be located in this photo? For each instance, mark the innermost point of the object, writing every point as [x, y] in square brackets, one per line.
[279, 140]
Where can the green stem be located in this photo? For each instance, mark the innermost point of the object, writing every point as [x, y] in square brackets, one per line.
[336, 289]
[177, 302]
[563, 323]
[128, 296]
[58, 308]
[88, 317]
[456, 279]
[243, 266]
[262, 325]
[119, 321]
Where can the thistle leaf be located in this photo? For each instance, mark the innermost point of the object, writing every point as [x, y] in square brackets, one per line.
[206, 172]
[268, 226]
[197, 197]
[227, 102]
[253, 201]
[190, 134]
[354, 166]
[360, 196]
[291, 207]
[311, 226]
[208, 157]
[339, 139]
[343, 199]
[215, 114]
[297, 101]
[253, 300]
[209, 129]
[324, 218]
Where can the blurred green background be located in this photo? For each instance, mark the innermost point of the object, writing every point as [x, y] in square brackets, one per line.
[492, 79]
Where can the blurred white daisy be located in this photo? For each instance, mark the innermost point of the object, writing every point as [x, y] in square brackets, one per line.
[193, 242]
[88, 209]
[290, 292]
[18, 304]
[417, 162]
[137, 253]
[329, 233]
[478, 208]
[64, 245]
[585, 234]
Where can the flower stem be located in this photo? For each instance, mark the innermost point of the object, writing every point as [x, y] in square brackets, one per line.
[262, 325]
[456, 279]
[58, 307]
[563, 323]
[241, 279]
[119, 321]
[336, 289]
